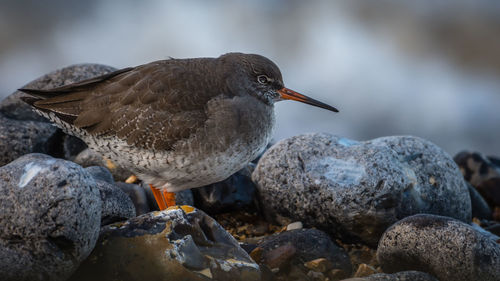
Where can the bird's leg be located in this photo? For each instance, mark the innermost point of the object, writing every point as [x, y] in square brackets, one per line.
[169, 198]
[158, 197]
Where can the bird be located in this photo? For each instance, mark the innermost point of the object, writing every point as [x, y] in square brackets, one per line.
[176, 123]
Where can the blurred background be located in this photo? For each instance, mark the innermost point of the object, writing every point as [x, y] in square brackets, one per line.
[424, 68]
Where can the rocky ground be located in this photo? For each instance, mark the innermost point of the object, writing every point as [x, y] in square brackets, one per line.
[313, 207]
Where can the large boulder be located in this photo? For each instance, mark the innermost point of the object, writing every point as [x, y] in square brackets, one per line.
[50, 215]
[357, 189]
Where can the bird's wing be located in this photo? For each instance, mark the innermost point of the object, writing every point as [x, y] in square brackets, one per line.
[149, 106]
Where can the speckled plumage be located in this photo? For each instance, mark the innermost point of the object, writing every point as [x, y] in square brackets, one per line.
[177, 123]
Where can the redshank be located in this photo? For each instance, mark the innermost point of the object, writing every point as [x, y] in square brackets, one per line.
[176, 123]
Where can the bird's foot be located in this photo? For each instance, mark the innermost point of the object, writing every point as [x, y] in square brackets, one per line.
[164, 199]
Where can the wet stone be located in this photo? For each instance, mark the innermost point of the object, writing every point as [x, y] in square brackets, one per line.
[180, 243]
[288, 250]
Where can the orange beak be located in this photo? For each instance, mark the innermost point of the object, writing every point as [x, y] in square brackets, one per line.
[288, 94]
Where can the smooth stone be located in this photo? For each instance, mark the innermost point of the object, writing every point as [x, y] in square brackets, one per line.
[355, 190]
[291, 248]
[235, 193]
[480, 208]
[18, 138]
[49, 220]
[294, 225]
[180, 243]
[441, 246]
[399, 276]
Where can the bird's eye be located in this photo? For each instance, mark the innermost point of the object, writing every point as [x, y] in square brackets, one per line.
[262, 79]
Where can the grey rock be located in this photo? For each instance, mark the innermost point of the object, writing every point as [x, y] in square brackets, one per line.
[22, 137]
[88, 157]
[235, 193]
[444, 247]
[175, 244]
[184, 197]
[357, 189]
[116, 204]
[292, 248]
[480, 208]
[399, 276]
[100, 173]
[138, 196]
[49, 219]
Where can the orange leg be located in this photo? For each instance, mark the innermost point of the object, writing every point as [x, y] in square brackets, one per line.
[169, 198]
[158, 197]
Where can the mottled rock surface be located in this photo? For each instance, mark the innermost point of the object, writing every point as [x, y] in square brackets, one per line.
[444, 247]
[399, 276]
[357, 189]
[50, 219]
[180, 243]
[22, 137]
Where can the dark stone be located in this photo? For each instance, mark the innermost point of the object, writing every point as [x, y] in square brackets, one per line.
[116, 204]
[176, 244]
[441, 246]
[490, 190]
[138, 196]
[18, 138]
[235, 193]
[475, 167]
[292, 248]
[480, 208]
[49, 219]
[399, 276]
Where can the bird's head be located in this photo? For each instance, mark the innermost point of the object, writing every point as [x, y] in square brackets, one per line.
[260, 77]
